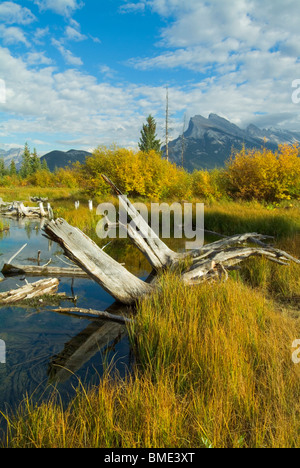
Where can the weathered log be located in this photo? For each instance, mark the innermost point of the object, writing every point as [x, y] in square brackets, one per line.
[113, 277]
[91, 313]
[33, 271]
[19, 210]
[30, 291]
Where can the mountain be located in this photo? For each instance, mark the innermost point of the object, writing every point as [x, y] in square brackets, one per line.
[57, 159]
[208, 143]
[8, 156]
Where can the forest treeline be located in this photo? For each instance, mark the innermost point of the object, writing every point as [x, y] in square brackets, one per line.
[262, 174]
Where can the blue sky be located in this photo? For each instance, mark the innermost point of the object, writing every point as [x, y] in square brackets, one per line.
[80, 73]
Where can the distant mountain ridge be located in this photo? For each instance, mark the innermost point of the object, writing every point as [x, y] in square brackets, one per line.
[208, 143]
[12, 154]
[58, 159]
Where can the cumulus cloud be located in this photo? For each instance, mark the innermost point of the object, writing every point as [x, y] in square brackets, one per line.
[13, 35]
[38, 58]
[61, 7]
[71, 102]
[249, 50]
[12, 13]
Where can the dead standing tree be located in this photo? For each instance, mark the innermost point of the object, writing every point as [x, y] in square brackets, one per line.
[211, 261]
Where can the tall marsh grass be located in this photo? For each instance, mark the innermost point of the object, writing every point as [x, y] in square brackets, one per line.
[214, 369]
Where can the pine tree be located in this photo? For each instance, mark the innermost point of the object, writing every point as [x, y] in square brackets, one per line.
[148, 140]
[45, 165]
[26, 168]
[35, 162]
[12, 168]
[3, 170]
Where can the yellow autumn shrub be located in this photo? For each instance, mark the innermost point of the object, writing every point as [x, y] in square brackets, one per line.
[208, 184]
[136, 173]
[264, 174]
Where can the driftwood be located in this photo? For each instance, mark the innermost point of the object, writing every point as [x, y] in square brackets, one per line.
[33, 271]
[212, 261]
[113, 277]
[91, 313]
[17, 209]
[30, 291]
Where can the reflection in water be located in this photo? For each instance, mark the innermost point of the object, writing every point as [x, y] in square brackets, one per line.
[94, 338]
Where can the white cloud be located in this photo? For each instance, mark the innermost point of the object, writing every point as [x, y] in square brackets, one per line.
[13, 35]
[129, 7]
[74, 35]
[69, 58]
[38, 58]
[61, 7]
[40, 34]
[12, 13]
[106, 71]
[249, 49]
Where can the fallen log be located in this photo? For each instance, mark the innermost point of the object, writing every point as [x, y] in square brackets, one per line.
[113, 277]
[36, 271]
[30, 291]
[211, 261]
[17, 209]
[91, 313]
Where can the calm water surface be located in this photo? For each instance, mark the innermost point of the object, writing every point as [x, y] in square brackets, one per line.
[46, 349]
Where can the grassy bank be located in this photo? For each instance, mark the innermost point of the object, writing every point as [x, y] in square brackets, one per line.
[214, 370]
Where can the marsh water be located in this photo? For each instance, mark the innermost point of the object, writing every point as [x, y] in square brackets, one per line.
[44, 349]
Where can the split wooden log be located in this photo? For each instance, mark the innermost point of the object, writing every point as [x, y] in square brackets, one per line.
[211, 261]
[30, 291]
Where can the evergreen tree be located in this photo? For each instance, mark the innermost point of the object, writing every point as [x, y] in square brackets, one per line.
[35, 162]
[26, 168]
[12, 168]
[45, 165]
[148, 140]
[3, 170]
